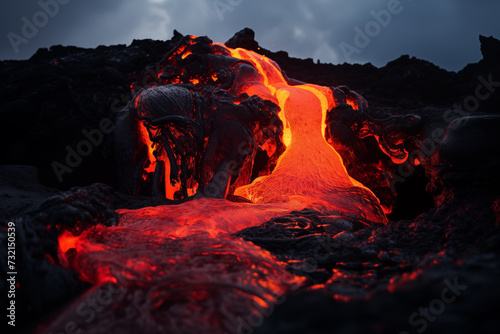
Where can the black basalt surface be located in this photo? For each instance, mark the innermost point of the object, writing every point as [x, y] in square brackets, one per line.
[444, 232]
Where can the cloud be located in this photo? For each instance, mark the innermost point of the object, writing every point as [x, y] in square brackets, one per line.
[444, 32]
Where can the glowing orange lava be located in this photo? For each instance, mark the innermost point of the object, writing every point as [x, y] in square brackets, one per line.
[310, 173]
[309, 167]
[184, 253]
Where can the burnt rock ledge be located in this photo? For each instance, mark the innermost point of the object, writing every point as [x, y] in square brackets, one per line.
[375, 278]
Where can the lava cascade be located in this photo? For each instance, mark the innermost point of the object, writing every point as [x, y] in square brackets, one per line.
[179, 264]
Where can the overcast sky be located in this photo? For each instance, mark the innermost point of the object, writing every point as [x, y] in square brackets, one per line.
[444, 32]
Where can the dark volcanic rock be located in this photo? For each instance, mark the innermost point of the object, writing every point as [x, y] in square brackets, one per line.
[44, 285]
[361, 277]
[420, 300]
[20, 189]
[46, 119]
[471, 145]
[490, 48]
[244, 39]
[50, 101]
[467, 162]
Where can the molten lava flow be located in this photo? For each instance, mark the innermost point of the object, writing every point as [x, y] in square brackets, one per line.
[174, 258]
[172, 285]
[309, 167]
[310, 172]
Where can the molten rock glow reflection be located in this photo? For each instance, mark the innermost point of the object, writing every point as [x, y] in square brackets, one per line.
[178, 263]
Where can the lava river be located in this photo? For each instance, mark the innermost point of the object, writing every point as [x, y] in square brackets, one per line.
[176, 268]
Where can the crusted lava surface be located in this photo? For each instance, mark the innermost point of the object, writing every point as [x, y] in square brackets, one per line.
[432, 267]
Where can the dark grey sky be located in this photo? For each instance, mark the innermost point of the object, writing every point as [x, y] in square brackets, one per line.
[444, 32]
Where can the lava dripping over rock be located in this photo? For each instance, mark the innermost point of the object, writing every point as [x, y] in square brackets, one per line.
[216, 262]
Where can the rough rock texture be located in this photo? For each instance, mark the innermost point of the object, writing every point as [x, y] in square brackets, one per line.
[48, 101]
[472, 309]
[41, 117]
[360, 278]
[20, 189]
